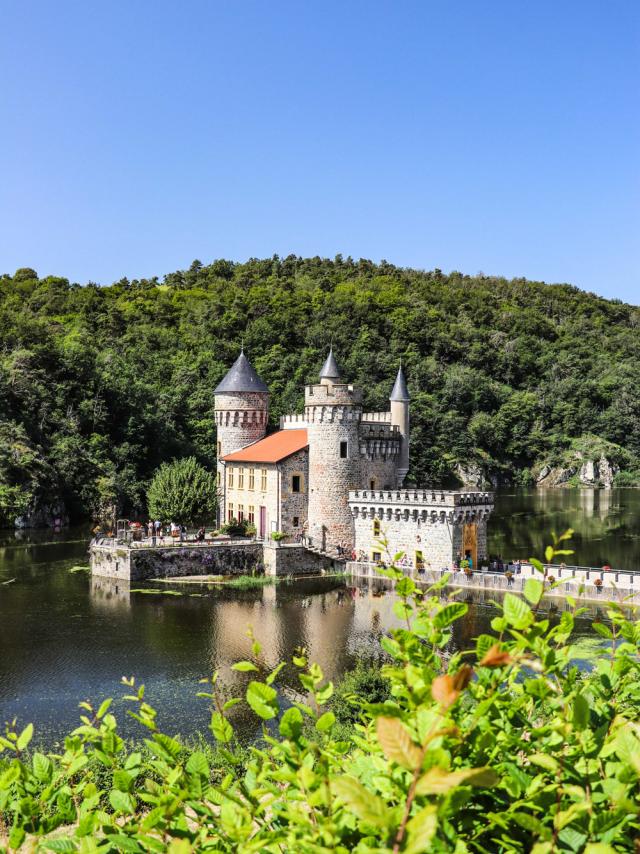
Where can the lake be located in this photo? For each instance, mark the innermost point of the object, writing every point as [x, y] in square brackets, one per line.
[65, 637]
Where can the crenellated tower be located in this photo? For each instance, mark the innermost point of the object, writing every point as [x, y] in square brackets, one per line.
[333, 412]
[400, 400]
[241, 410]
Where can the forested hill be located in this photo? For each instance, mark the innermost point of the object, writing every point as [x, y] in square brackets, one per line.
[98, 385]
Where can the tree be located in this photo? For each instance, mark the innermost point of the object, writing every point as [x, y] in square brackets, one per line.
[182, 491]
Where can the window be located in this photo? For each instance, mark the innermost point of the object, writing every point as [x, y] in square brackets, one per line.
[372, 485]
[295, 483]
[252, 478]
[252, 514]
[419, 561]
[240, 512]
[230, 513]
[376, 527]
[376, 556]
[240, 478]
[296, 521]
[263, 480]
[344, 450]
[219, 448]
[230, 478]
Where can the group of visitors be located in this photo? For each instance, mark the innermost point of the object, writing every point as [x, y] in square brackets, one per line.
[156, 532]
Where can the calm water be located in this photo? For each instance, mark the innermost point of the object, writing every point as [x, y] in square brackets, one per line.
[65, 637]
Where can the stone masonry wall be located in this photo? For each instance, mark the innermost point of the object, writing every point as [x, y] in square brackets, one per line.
[439, 541]
[294, 505]
[174, 561]
[294, 560]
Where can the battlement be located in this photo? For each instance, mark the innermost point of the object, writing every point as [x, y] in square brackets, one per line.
[376, 417]
[332, 395]
[295, 421]
[427, 498]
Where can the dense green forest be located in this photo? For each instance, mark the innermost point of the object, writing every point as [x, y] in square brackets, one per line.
[100, 385]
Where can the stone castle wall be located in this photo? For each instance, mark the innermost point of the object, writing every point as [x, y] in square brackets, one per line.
[331, 476]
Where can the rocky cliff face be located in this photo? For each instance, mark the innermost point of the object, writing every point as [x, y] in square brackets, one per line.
[580, 471]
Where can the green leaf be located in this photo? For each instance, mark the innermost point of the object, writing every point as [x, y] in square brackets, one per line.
[449, 614]
[421, 829]
[483, 645]
[438, 781]
[198, 764]
[42, 767]
[244, 666]
[122, 801]
[25, 737]
[581, 712]
[262, 699]
[122, 781]
[274, 673]
[291, 723]
[104, 708]
[516, 611]
[396, 743]
[325, 721]
[221, 728]
[16, 837]
[599, 848]
[533, 589]
[548, 554]
[366, 805]
[61, 844]
[602, 630]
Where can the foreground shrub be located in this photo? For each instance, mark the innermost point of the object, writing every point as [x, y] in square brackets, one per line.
[506, 747]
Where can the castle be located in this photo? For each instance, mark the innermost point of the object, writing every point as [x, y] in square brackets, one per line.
[334, 476]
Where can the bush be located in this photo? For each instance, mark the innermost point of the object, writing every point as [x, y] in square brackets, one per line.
[182, 491]
[235, 528]
[503, 747]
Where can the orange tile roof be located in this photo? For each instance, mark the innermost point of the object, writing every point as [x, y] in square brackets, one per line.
[272, 449]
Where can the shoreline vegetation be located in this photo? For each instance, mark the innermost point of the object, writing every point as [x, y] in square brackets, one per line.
[504, 746]
[512, 381]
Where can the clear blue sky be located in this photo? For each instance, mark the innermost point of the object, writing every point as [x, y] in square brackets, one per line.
[501, 136]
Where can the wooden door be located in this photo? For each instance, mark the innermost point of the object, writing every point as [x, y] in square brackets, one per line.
[262, 531]
[470, 542]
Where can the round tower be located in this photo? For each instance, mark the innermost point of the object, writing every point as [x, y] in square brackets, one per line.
[241, 410]
[399, 400]
[333, 411]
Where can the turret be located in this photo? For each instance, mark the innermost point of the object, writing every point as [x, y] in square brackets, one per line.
[241, 410]
[399, 400]
[333, 411]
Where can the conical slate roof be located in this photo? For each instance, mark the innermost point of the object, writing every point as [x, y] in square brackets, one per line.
[241, 377]
[400, 390]
[330, 370]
